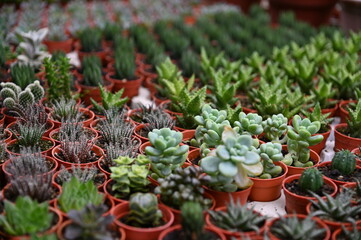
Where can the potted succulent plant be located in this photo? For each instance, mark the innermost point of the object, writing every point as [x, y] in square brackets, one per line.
[347, 233]
[183, 185]
[342, 169]
[142, 217]
[90, 43]
[235, 220]
[298, 188]
[347, 136]
[192, 226]
[229, 166]
[297, 226]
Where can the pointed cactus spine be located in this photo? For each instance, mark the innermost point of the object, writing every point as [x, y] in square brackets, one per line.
[26, 98]
[37, 90]
[344, 161]
[8, 93]
[311, 179]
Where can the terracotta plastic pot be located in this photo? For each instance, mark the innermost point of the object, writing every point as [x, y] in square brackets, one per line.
[299, 170]
[315, 12]
[320, 146]
[193, 155]
[45, 152]
[337, 182]
[297, 203]
[301, 216]
[97, 150]
[223, 198]
[131, 87]
[266, 190]
[136, 133]
[65, 46]
[61, 229]
[343, 141]
[8, 118]
[2, 119]
[342, 110]
[337, 233]
[167, 231]
[177, 213]
[237, 235]
[5, 167]
[332, 224]
[50, 231]
[131, 113]
[149, 82]
[9, 134]
[357, 152]
[88, 92]
[135, 233]
[86, 123]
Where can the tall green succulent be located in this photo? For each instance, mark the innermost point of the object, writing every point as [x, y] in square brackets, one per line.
[193, 221]
[165, 153]
[91, 40]
[231, 162]
[22, 75]
[144, 211]
[26, 216]
[275, 127]
[300, 137]
[130, 175]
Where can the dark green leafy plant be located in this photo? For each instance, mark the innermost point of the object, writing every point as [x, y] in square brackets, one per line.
[183, 185]
[90, 39]
[158, 121]
[110, 100]
[22, 74]
[190, 64]
[26, 216]
[92, 76]
[89, 223]
[91, 61]
[144, 211]
[237, 218]
[76, 195]
[111, 30]
[294, 228]
[125, 66]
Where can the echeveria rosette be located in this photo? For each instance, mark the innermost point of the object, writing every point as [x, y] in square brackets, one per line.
[230, 163]
[250, 123]
[300, 137]
[165, 154]
[270, 153]
[275, 127]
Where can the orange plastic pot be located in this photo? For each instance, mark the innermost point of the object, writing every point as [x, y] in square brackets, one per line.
[301, 216]
[237, 235]
[193, 155]
[343, 141]
[223, 198]
[131, 87]
[136, 233]
[332, 224]
[64, 46]
[297, 203]
[342, 110]
[337, 233]
[266, 190]
[177, 213]
[61, 229]
[50, 231]
[136, 133]
[163, 235]
[97, 150]
[337, 182]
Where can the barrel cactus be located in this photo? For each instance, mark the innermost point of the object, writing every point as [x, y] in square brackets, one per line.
[311, 180]
[300, 137]
[13, 95]
[344, 161]
[231, 162]
[165, 154]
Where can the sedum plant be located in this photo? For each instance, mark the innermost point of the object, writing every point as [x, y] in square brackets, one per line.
[300, 137]
[130, 175]
[237, 218]
[12, 94]
[110, 100]
[231, 162]
[354, 123]
[183, 185]
[270, 153]
[144, 211]
[338, 209]
[165, 152]
[250, 124]
[294, 228]
[89, 223]
[76, 195]
[275, 127]
[25, 216]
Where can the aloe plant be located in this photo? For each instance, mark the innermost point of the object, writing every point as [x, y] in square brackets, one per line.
[354, 123]
[231, 162]
[110, 100]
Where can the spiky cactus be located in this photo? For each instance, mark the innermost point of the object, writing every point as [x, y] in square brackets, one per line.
[144, 211]
[13, 95]
[275, 127]
[311, 180]
[344, 161]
